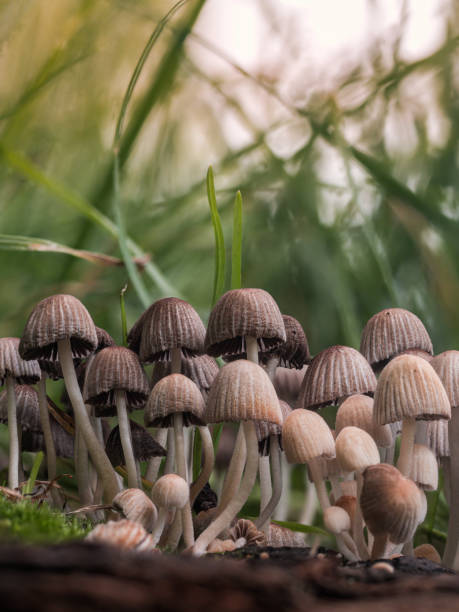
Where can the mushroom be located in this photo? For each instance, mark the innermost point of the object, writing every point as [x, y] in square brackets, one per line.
[293, 353]
[337, 521]
[170, 492]
[124, 534]
[135, 506]
[287, 383]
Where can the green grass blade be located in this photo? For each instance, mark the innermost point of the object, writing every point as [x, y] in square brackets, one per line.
[236, 248]
[123, 315]
[302, 528]
[33, 473]
[219, 277]
[197, 452]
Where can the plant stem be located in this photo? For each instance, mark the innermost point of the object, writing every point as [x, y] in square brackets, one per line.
[187, 522]
[263, 521]
[209, 460]
[13, 454]
[358, 522]
[251, 346]
[126, 439]
[406, 446]
[234, 473]
[266, 490]
[155, 462]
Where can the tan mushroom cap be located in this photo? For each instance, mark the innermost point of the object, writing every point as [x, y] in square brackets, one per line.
[305, 436]
[134, 505]
[427, 551]
[170, 491]
[287, 383]
[240, 313]
[336, 520]
[264, 429]
[438, 437]
[122, 534]
[202, 370]
[424, 468]
[115, 368]
[335, 373]
[174, 394]
[446, 365]
[357, 410]
[169, 323]
[242, 391]
[12, 364]
[355, 449]
[390, 332]
[349, 504]
[294, 352]
[409, 387]
[391, 504]
[58, 317]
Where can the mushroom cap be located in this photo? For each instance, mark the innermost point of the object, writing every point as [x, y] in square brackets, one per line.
[34, 440]
[170, 491]
[174, 394]
[27, 408]
[242, 391]
[427, 551]
[11, 364]
[424, 468]
[335, 373]
[438, 437]
[264, 429]
[391, 504]
[287, 383]
[202, 370]
[446, 365]
[115, 368]
[355, 449]
[409, 387]
[56, 318]
[390, 332]
[143, 444]
[103, 339]
[134, 505]
[122, 534]
[305, 436]
[336, 520]
[349, 504]
[167, 324]
[240, 313]
[357, 410]
[294, 352]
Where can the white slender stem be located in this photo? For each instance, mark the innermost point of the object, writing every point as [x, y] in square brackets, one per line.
[319, 484]
[406, 446]
[224, 519]
[187, 521]
[82, 470]
[282, 508]
[264, 520]
[13, 456]
[310, 505]
[335, 487]
[155, 462]
[126, 440]
[251, 347]
[346, 547]
[208, 464]
[357, 533]
[96, 451]
[379, 546]
[46, 427]
[21, 475]
[445, 464]
[266, 489]
[452, 478]
[390, 452]
[159, 525]
[271, 367]
[170, 459]
[234, 473]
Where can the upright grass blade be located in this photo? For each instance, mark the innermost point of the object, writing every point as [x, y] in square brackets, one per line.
[33, 473]
[236, 249]
[300, 528]
[219, 277]
[123, 315]
[197, 451]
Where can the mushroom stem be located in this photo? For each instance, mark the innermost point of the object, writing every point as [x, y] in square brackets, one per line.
[266, 490]
[155, 462]
[379, 546]
[282, 508]
[209, 459]
[236, 503]
[234, 473]
[346, 546]
[357, 531]
[310, 505]
[46, 427]
[82, 469]
[13, 454]
[450, 554]
[126, 439]
[406, 446]
[96, 451]
[159, 525]
[187, 521]
[319, 484]
[275, 453]
[251, 346]
[170, 459]
[271, 367]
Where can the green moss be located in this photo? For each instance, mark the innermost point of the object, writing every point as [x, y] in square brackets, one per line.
[26, 522]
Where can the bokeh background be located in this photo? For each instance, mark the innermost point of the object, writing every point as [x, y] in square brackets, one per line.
[338, 121]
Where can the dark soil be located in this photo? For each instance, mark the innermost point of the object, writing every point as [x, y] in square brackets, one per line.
[88, 577]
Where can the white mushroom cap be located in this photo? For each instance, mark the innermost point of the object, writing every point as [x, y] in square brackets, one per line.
[136, 506]
[305, 436]
[336, 520]
[357, 410]
[170, 491]
[424, 468]
[356, 449]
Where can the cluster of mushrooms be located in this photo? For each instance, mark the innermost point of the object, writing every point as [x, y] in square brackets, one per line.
[272, 388]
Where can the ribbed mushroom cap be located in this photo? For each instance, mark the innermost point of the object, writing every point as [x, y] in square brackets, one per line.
[294, 352]
[305, 436]
[390, 332]
[335, 373]
[56, 318]
[242, 391]
[33, 440]
[438, 437]
[391, 504]
[202, 370]
[11, 364]
[287, 383]
[115, 368]
[418, 353]
[170, 491]
[135, 506]
[240, 313]
[446, 365]
[264, 429]
[424, 468]
[336, 520]
[143, 444]
[409, 387]
[27, 409]
[103, 339]
[355, 449]
[124, 534]
[169, 323]
[357, 410]
[171, 395]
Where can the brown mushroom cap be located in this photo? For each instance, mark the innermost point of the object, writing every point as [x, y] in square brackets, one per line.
[287, 383]
[115, 368]
[56, 318]
[357, 410]
[242, 391]
[390, 332]
[264, 429]
[355, 449]
[170, 491]
[424, 468]
[27, 409]
[33, 440]
[305, 436]
[202, 370]
[409, 387]
[335, 373]
[294, 352]
[135, 506]
[240, 313]
[167, 324]
[103, 339]
[143, 444]
[171, 395]
[11, 364]
[446, 365]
